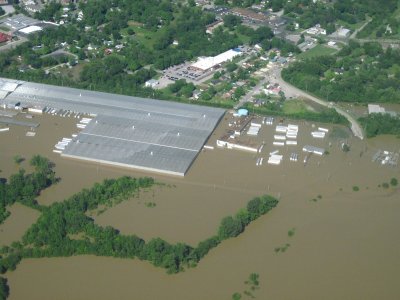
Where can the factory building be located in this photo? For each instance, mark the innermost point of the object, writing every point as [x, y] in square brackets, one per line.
[146, 134]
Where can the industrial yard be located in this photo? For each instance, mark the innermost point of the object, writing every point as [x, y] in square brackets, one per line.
[339, 230]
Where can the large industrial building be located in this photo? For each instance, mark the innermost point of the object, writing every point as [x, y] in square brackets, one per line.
[206, 63]
[126, 131]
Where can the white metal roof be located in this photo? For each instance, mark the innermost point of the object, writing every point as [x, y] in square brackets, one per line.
[205, 63]
[8, 86]
[133, 132]
[3, 94]
[375, 109]
[31, 29]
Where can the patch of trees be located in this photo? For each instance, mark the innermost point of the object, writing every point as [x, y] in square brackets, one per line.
[51, 235]
[50, 12]
[309, 13]
[327, 115]
[381, 15]
[231, 21]
[358, 73]
[377, 124]
[2, 12]
[24, 188]
[182, 88]
[4, 289]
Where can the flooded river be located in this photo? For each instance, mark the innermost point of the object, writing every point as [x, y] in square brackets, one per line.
[345, 243]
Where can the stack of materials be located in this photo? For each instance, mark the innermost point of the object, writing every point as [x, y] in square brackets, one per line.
[292, 131]
[268, 120]
[315, 150]
[260, 149]
[320, 134]
[280, 137]
[294, 157]
[61, 145]
[83, 123]
[254, 128]
[278, 143]
[280, 128]
[275, 159]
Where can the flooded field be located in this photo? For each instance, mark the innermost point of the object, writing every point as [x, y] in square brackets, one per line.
[345, 245]
[15, 226]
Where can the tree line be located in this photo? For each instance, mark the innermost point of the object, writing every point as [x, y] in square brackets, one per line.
[377, 124]
[52, 234]
[308, 13]
[327, 115]
[24, 188]
[358, 73]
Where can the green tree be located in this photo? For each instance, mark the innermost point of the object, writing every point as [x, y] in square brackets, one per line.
[236, 296]
[230, 227]
[4, 289]
[230, 67]
[231, 21]
[18, 159]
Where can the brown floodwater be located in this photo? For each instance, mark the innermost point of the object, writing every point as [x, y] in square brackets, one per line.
[14, 227]
[345, 245]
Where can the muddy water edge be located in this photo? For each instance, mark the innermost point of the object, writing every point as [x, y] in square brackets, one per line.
[345, 244]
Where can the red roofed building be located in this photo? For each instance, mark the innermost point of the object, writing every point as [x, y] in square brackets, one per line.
[5, 37]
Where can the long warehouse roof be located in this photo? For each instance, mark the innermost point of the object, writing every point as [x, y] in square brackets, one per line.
[141, 133]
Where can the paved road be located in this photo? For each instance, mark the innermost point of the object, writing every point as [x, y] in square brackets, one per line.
[254, 91]
[292, 91]
[354, 34]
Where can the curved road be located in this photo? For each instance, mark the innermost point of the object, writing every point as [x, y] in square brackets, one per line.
[294, 91]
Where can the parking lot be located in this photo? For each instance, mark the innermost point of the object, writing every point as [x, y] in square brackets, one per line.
[184, 71]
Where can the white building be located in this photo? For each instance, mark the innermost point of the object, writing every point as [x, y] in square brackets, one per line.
[151, 83]
[375, 109]
[343, 33]
[206, 63]
[31, 29]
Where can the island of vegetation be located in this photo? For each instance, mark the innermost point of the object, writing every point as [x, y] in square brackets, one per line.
[65, 229]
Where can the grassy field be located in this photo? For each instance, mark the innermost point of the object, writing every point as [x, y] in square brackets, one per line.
[294, 106]
[351, 26]
[4, 28]
[318, 50]
[143, 35]
[74, 72]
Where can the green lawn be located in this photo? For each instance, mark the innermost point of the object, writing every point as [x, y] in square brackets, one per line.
[351, 26]
[143, 35]
[4, 28]
[318, 50]
[294, 107]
